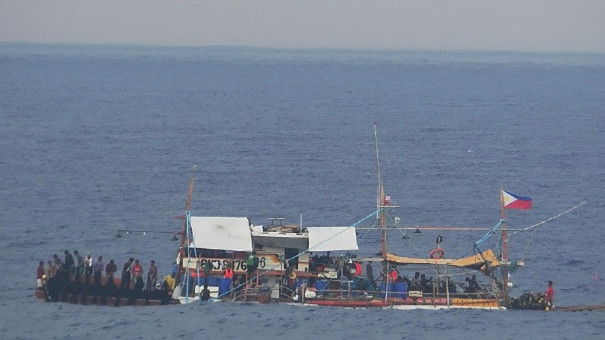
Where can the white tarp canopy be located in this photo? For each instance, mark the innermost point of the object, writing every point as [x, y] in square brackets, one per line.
[277, 240]
[222, 233]
[332, 238]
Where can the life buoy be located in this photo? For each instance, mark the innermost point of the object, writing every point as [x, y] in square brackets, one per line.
[437, 253]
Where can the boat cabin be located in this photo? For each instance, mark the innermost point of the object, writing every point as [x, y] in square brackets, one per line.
[280, 249]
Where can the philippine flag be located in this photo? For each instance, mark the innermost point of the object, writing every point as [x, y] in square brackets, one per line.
[387, 200]
[512, 201]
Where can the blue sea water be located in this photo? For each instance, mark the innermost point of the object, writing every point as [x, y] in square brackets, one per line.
[96, 139]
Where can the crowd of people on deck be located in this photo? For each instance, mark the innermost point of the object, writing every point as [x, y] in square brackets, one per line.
[76, 274]
[419, 282]
[79, 275]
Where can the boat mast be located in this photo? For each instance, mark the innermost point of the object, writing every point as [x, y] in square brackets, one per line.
[185, 233]
[380, 202]
[188, 206]
[504, 247]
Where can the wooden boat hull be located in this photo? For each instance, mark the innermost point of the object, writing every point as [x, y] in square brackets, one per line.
[68, 290]
[82, 299]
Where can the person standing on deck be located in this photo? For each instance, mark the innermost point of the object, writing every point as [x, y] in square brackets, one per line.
[58, 262]
[40, 270]
[88, 262]
[370, 272]
[550, 294]
[51, 270]
[126, 274]
[152, 276]
[99, 266]
[110, 271]
[207, 270]
[79, 266]
[251, 263]
[415, 283]
[60, 282]
[137, 273]
[69, 264]
[39, 273]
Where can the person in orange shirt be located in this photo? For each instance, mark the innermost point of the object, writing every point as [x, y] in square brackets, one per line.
[228, 273]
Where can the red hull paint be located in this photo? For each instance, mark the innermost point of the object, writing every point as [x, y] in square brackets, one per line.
[345, 303]
[377, 303]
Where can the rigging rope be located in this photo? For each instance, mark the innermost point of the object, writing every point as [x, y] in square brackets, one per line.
[566, 258]
[548, 219]
[535, 228]
[487, 236]
[529, 242]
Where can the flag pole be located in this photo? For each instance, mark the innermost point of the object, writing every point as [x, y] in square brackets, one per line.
[504, 246]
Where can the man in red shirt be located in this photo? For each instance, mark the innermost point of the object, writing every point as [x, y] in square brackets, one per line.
[40, 270]
[39, 274]
[550, 294]
[393, 274]
[137, 273]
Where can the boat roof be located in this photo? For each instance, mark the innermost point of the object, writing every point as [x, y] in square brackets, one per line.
[332, 238]
[221, 233]
[314, 239]
[235, 234]
[280, 240]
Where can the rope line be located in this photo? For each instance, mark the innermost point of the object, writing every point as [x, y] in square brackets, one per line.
[548, 219]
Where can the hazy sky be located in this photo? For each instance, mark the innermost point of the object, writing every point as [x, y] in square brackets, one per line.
[517, 25]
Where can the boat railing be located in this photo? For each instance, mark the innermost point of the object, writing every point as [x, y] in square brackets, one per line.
[379, 289]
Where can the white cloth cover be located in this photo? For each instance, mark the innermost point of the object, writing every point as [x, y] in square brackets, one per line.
[332, 238]
[222, 233]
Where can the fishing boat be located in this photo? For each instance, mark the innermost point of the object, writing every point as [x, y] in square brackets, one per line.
[286, 270]
[230, 258]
